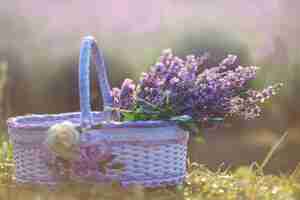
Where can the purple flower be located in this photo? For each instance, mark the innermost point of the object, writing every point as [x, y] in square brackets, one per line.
[124, 98]
[196, 90]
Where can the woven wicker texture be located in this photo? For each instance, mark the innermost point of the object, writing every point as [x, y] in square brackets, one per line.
[151, 153]
[30, 167]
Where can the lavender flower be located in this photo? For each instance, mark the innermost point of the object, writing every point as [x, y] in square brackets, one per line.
[247, 107]
[124, 97]
[191, 88]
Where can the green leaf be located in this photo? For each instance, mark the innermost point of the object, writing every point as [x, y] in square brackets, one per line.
[182, 118]
[97, 126]
[190, 126]
[216, 119]
[199, 139]
[107, 160]
[118, 166]
[140, 114]
[128, 116]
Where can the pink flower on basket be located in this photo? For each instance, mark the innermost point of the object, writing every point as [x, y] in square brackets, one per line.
[93, 161]
[63, 140]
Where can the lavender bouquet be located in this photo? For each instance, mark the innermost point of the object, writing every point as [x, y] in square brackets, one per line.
[191, 93]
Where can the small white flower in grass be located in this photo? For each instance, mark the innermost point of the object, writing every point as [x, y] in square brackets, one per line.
[63, 140]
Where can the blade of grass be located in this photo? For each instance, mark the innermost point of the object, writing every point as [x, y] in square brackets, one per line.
[272, 151]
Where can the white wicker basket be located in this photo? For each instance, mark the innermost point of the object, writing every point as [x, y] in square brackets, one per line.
[151, 153]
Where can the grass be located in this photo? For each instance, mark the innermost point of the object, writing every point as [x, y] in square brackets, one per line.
[244, 183]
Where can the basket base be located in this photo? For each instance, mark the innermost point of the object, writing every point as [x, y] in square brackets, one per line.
[172, 181]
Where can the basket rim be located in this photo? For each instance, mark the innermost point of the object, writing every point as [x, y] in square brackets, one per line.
[44, 121]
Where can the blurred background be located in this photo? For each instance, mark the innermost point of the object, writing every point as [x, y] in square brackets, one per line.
[39, 48]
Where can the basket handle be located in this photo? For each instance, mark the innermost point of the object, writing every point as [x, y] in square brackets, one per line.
[89, 51]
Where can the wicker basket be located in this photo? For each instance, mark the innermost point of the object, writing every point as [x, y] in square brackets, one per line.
[151, 153]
